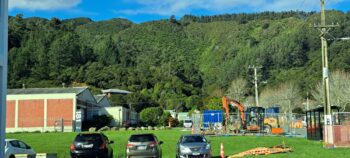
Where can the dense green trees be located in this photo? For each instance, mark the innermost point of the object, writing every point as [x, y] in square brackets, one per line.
[172, 64]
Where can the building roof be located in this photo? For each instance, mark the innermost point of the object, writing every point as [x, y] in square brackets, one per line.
[321, 108]
[115, 91]
[76, 90]
[99, 97]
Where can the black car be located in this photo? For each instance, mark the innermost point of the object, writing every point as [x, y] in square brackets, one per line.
[91, 145]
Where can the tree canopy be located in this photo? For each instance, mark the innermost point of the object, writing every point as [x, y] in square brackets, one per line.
[173, 64]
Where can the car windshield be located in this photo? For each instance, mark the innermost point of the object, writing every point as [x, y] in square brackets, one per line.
[88, 138]
[188, 121]
[193, 139]
[141, 138]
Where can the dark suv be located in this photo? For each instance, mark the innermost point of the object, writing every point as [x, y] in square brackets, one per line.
[143, 145]
[91, 145]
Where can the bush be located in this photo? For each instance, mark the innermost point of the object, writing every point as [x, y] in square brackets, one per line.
[98, 122]
[164, 119]
[151, 116]
[298, 110]
[174, 122]
[180, 124]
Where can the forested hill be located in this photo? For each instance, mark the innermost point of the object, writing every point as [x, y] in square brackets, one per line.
[176, 64]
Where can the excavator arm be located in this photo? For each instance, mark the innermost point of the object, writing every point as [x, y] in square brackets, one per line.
[225, 104]
[240, 108]
[225, 107]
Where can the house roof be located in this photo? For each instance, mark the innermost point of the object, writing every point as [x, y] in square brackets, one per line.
[116, 91]
[76, 90]
[99, 97]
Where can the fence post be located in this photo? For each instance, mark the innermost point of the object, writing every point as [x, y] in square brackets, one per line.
[62, 125]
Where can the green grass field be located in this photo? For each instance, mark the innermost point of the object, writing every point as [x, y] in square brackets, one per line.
[59, 143]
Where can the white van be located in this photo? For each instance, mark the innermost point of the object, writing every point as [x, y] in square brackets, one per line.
[188, 123]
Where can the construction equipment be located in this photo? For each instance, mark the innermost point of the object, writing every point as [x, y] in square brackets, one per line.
[253, 119]
[234, 126]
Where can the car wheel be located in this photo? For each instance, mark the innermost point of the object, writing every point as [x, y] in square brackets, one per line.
[12, 156]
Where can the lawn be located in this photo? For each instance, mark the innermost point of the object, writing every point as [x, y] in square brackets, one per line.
[59, 143]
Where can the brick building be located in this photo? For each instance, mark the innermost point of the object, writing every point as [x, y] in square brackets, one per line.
[49, 109]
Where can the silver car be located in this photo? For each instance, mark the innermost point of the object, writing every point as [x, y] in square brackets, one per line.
[193, 146]
[143, 145]
[14, 146]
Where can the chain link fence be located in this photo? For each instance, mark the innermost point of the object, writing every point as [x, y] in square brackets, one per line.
[216, 123]
[341, 129]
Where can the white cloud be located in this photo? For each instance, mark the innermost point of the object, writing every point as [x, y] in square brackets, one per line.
[181, 7]
[43, 4]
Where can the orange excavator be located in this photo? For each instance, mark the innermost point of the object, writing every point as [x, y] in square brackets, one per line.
[226, 102]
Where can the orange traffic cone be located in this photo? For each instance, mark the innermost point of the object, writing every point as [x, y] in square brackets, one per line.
[222, 152]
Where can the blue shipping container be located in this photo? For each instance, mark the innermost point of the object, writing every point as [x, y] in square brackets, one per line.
[272, 111]
[212, 117]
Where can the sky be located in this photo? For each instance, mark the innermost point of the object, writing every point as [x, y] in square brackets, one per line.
[147, 10]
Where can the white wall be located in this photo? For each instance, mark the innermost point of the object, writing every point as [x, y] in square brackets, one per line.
[119, 114]
[182, 116]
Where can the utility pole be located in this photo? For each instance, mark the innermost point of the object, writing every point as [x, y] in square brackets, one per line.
[307, 101]
[3, 71]
[256, 83]
[324, 29]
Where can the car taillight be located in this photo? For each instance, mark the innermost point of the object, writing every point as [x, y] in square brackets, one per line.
[129, 145]
[103, 146]
[153, 144]
[72, 147]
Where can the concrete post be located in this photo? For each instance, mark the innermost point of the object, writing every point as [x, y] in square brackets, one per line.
[3, 71]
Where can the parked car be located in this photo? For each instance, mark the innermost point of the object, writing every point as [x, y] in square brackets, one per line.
[143, 145]
[91, 145]
[187, 123]
[193, 145]
[14, 146]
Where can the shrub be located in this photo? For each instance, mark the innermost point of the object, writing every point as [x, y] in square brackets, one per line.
[151, 116]
[173, 122]
[164, 119]
[98, 122]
